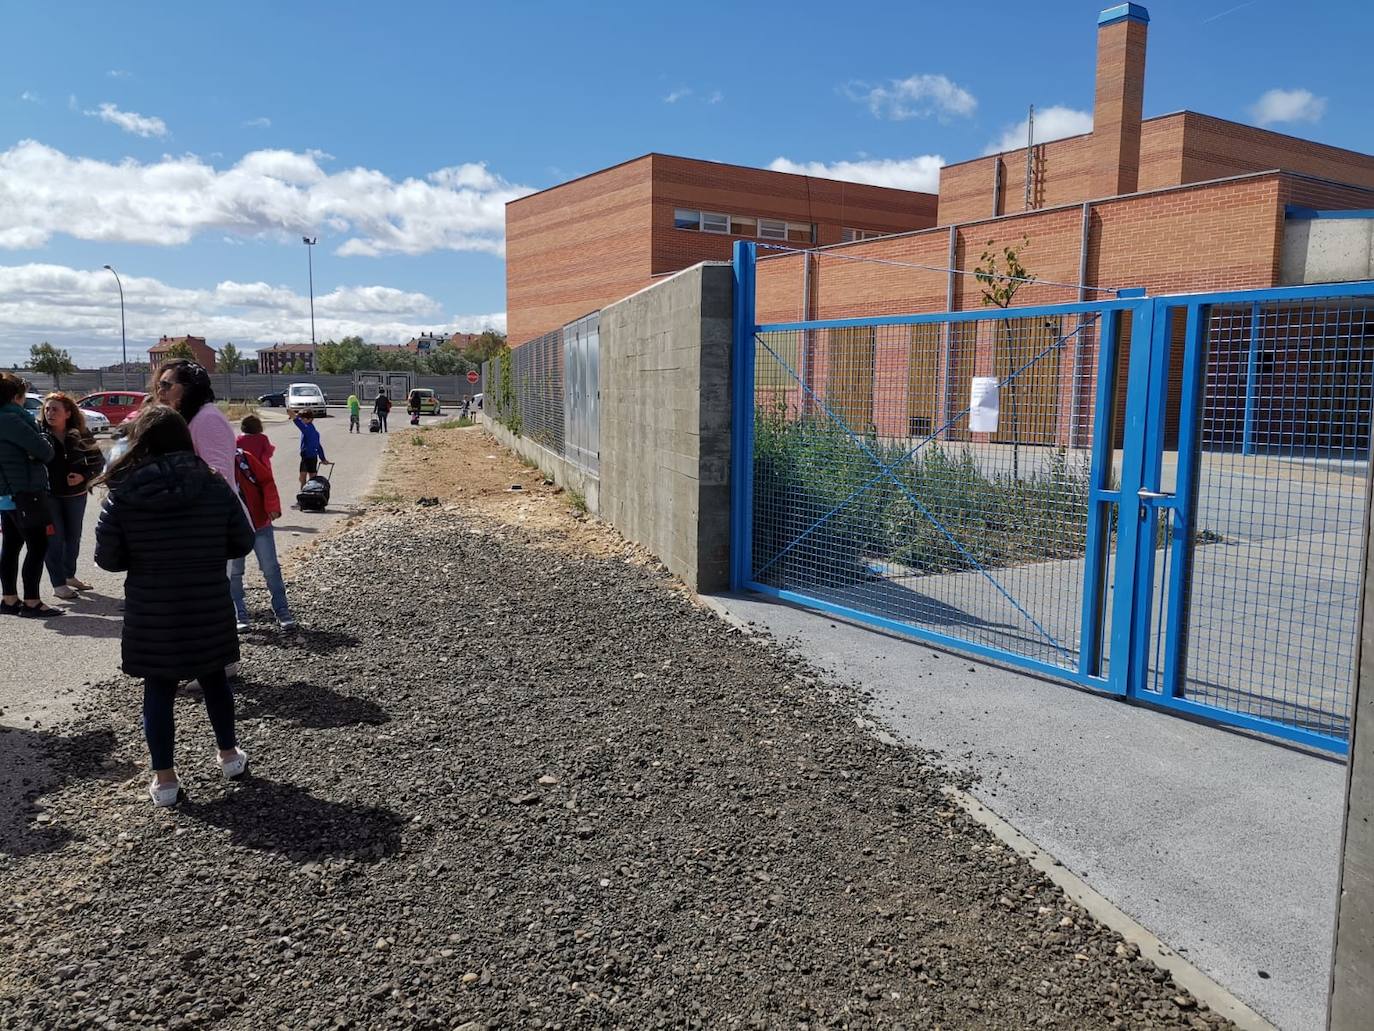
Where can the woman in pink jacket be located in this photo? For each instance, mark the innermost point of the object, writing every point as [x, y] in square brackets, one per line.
[185, 386]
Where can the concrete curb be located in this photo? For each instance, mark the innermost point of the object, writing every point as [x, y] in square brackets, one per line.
[1185, 974]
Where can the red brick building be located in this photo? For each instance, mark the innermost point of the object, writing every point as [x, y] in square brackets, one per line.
[280, 357]
[578, 246]
[157, 354]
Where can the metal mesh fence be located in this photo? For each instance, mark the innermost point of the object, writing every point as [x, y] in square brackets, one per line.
[1285, 442]
[936, 474]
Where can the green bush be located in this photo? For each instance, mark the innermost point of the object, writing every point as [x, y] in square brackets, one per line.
[804, 470]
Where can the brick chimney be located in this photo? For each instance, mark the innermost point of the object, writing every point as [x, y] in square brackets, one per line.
[1118, 99]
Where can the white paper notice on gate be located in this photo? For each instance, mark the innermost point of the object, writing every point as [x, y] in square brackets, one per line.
[982, 405]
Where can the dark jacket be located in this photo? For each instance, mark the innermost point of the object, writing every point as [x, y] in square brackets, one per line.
[72, 453]
[172, 523]
[24, 452]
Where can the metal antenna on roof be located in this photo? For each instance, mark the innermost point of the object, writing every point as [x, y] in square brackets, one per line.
[1030, 163]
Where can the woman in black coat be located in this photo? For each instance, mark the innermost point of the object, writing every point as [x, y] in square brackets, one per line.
[172, 523]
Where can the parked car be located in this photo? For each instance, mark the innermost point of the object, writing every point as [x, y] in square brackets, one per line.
[276, 399]
[429, 401]
[95, 422]
[114, 405]
[306, 397]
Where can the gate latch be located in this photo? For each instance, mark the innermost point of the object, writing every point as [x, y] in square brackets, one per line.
[1153, 495]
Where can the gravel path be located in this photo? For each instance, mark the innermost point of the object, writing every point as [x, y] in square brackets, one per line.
[560, 797]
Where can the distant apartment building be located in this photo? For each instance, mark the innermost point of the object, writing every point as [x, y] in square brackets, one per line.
[578, 246]
[157, 354]
[280, 357]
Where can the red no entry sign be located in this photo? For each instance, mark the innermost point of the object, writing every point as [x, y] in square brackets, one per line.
[473, 377]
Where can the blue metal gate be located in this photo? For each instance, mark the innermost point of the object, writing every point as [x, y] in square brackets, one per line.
[1157, 498]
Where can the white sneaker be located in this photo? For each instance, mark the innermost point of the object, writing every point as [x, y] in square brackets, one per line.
[241, 626]
[165, 795]
[65, 593]
[237, 766]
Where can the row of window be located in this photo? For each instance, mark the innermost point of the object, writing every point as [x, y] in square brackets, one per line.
[745, 225]
[763, 228]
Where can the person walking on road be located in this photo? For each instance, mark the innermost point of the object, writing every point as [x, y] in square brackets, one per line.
[24, 514]
[312, 451]
[381, 407]
[171, 524]
[258, 489]
[253, 439]
[355, 414]
[76, 461]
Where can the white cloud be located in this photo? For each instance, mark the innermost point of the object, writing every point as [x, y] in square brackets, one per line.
[716, 97]
[919, 96]
[131, 121]
[79, 310]
[918, 173]
[1288, 105]
[71, 102]
[677, 94]
[29, 96]
[119, 73]
[258, 123]
[1051, 123]
[270, 193]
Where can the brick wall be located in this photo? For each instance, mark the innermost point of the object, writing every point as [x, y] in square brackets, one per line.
[576, 247]
[1214, 147]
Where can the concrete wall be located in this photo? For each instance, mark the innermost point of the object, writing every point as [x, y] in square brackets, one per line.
[1327, 250]
[665, 421]
[1352, 972]
[564, 473]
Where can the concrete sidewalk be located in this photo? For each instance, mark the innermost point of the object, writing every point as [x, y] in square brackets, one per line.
[1223, 845]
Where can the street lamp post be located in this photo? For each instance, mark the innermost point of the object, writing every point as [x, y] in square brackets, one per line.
[123, 341]
[309, 242]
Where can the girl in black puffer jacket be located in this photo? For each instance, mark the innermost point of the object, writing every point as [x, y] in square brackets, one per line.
[172, 523]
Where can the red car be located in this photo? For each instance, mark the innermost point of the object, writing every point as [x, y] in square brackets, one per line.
[115, 405]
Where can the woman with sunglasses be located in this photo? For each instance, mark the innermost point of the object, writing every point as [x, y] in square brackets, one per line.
[24, 512]
[185, 387]
[75, 463]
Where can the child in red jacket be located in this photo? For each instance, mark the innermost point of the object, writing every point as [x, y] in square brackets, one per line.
[258, 490]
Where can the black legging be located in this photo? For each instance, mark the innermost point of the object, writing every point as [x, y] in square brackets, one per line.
[12, 538]
[159, 697]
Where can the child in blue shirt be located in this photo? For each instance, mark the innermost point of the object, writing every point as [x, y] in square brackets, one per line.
[312, 451]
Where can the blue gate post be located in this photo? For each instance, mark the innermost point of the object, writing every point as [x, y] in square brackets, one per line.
[1099, 497]
[742, 417]
[1247, 446]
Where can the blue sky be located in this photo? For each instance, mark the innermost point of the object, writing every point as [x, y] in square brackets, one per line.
[191, 145]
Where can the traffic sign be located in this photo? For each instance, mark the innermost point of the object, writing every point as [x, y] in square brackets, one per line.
[473, 377]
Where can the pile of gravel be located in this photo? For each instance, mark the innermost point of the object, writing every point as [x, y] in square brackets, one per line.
[554, 796]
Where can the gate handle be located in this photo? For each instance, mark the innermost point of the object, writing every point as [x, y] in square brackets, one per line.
[1153, 495]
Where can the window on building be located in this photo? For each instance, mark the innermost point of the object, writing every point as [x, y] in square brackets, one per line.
[848, 235]
[743, 225]
[684, 219]
[772, 229]
[713, 223]
[801, 232]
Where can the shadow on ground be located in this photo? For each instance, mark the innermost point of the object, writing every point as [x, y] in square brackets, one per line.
[268, 816]
[307, 705]
[34, 763]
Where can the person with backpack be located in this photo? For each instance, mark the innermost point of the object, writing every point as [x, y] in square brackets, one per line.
[381, 408]
[258, 489]
[25, 517]
[171, 523]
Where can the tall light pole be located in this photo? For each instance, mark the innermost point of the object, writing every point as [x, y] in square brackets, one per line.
[123, 341]
[309, 242]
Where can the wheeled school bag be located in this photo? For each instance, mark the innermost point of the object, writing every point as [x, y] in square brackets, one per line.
[375, 426]
[314, 496]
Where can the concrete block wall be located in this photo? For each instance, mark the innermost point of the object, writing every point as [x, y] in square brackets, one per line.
[665, 421]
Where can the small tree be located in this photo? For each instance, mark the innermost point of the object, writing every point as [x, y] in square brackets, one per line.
[486, 346]
[51, 360]
[1000, 283]
[179, 351]
[229, 360]
[296, 367]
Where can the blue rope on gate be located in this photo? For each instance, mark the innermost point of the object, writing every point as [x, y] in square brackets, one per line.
[885, 470]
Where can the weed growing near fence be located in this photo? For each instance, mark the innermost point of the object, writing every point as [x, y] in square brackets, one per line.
[938, 512]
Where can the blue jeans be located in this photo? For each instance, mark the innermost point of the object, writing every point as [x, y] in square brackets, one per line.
[265, 551]
[64, 546]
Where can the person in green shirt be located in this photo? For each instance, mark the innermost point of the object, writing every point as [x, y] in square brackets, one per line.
[354, 414]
